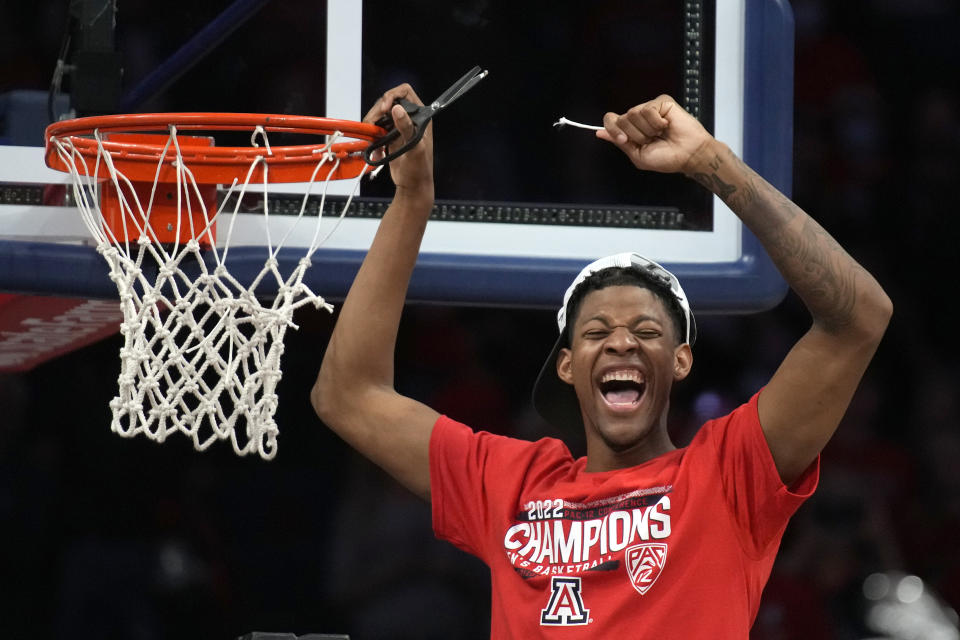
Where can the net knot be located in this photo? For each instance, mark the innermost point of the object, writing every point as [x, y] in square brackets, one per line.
[130, 406]
[168, 269]
[197, 334]
[270, 402]
[163, 410]
[222, 308]
[206, 280]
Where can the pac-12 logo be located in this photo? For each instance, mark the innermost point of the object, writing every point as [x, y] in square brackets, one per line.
[566, 604]
[644, 564]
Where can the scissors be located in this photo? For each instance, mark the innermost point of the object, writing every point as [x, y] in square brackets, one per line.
[420, 116]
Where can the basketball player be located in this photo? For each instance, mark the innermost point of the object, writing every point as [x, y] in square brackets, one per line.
[638, 539]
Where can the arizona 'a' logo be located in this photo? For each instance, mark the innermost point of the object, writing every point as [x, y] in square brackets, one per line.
[644, 564]
[566, 604]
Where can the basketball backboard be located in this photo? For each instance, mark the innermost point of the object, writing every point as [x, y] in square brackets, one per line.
[521, 206]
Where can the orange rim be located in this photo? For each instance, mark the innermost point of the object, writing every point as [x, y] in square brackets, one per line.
[213, 165]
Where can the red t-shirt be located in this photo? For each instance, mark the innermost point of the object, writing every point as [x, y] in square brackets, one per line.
[678, 547]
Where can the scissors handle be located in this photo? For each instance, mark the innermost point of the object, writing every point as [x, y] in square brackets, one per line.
[420, 116]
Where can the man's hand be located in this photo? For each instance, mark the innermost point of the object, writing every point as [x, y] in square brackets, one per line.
[412, 172]
[657, 135]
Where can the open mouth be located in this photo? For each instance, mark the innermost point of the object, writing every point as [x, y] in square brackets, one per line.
[622, 388]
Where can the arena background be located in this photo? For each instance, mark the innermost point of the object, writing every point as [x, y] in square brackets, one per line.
[111, 538]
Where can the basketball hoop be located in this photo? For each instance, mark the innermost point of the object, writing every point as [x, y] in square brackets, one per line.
[201, 353]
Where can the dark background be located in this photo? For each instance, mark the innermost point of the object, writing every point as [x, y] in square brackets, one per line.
[111, 538]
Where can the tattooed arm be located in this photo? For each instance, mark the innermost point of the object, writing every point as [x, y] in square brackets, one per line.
[805, 399]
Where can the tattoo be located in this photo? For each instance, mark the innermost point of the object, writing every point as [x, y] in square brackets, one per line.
[828, 276]
[736, 198]
[813, 263]
[713, 182]
[750, 192]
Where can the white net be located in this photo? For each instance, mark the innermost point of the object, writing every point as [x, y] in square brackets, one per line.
[201, 352]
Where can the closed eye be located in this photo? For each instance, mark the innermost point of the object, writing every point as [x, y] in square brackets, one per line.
[596, 334]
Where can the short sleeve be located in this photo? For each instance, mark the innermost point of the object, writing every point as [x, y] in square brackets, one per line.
[456, 489]
[474, 475]
[760, 503]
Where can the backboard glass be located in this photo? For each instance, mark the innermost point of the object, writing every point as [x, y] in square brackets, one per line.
[521, 206]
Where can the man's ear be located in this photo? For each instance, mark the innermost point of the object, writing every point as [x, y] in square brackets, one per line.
[682, 362]
[565, 365]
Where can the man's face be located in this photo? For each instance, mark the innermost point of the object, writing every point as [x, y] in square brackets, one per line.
[623, 360]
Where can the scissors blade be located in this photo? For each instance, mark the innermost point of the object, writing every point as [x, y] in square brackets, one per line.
[458, 88]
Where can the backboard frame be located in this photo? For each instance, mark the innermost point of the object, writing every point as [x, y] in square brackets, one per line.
[740, 278]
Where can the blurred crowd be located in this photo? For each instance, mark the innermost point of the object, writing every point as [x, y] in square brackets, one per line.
[111, 538]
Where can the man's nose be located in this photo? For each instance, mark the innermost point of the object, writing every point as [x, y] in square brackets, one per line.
[621, 340]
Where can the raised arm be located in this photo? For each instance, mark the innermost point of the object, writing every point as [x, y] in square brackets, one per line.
[801, 406]
[354, 393]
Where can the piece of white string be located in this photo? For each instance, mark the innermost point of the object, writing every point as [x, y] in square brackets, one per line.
[259, 131]
[562, 122]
